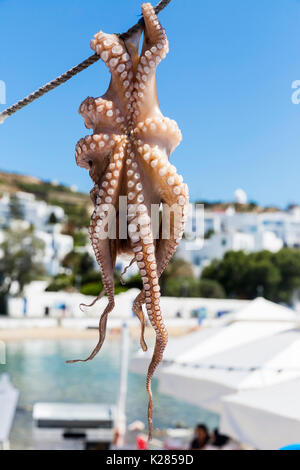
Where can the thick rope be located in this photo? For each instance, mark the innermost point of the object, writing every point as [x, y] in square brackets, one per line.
[74, 71]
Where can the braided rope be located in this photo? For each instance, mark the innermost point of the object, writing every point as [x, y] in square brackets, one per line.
[74, 71]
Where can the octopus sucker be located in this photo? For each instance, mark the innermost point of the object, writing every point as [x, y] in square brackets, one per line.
[128, 155]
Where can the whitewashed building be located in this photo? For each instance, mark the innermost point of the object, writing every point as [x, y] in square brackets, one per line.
[56, 247]
[35, 212]
[230, 230]
[4, 209]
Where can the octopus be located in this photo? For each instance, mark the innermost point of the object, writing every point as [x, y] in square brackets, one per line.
[127, 157]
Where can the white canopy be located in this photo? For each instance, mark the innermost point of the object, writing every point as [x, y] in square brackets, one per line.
[175, 347]
[206, 379]
[267, 419]
[8, 403]
[208, 341]
[261, 309]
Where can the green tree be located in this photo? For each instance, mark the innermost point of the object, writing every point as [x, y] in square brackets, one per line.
[80, 264]
[178, 280]
[209, 289]
[231, 272]
[134, 282]
[60, 282]
[287, 262]
[20, 251]
[191, 287]
[181, 287]
[245, 275]
[81, 272]
[177, 269]
[263, 277]
[80, 239]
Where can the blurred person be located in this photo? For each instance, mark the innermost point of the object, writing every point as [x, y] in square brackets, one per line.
[63, 310]
[141, 442]
[219, 440]
[222, 442]
[201, 438]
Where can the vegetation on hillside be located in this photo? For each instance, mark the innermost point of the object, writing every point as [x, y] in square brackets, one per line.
[178, 280]
[251, 206]
[276, 276]
[237, 275]
[77, 206]
[82, 276]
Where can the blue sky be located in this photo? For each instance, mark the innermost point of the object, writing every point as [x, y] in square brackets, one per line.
[227, 82]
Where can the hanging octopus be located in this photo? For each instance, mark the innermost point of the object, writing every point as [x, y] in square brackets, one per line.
[128, 155]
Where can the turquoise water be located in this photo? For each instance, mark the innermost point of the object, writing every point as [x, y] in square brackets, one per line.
[37, 368]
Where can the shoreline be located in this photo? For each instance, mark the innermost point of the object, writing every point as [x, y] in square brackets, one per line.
[48, 333]
[63, 333]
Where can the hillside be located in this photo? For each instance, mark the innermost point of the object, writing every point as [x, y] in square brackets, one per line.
[220, 206]
[77, 205]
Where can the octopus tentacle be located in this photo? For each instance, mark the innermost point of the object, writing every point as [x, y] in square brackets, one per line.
[123, 282]
[138, 312]
[165, 250]
[155, 35]
[106, 262]
[102, 115]
[107, 198]
[174, 194]
[148, 269]
[114, 54]
[160, 130]
[93, 153]
[154, 50]
[137, 309]
[104, 247]
[140, 234]
[102, 293]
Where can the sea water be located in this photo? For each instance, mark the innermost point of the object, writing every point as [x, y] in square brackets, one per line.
[38, 370]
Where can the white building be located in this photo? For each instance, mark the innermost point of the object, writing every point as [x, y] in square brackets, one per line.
[35, 212]
[240, 196]
[57, 246]
[37, 299]
[231, 230]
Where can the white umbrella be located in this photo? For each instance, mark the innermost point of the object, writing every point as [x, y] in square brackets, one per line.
[8, 403]
[175, 347]
[208, 341]
[267, 419]
[261, 310]
[206, 380]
